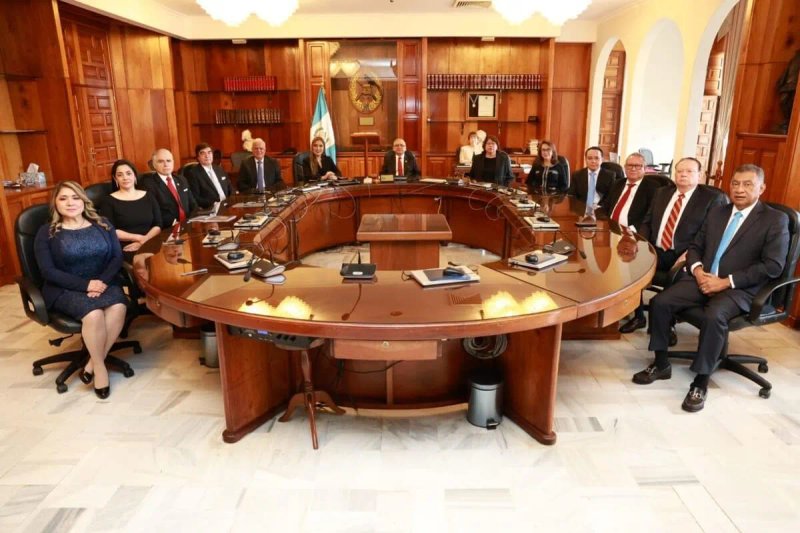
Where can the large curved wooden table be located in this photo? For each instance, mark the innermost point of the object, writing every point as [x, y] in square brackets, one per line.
[393, 317]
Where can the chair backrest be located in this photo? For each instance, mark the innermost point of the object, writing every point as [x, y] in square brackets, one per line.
[25, 230]
[238, 157]
[97, 191]
[784, 297]
[662, 179]
[647, 153]
[563, 160]
[185, 168]
[297, 166]
[616, 168]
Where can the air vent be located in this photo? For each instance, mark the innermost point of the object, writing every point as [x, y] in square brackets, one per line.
[472, 3]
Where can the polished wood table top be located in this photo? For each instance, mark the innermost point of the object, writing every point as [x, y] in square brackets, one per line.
[399, 227]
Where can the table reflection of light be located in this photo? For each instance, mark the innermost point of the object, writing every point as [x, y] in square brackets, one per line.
[502, 304]
[290, 307]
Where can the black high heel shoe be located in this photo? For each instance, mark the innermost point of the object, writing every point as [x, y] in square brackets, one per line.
[103, 393]
[85, 376]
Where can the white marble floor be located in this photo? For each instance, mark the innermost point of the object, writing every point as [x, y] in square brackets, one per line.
[627, 459]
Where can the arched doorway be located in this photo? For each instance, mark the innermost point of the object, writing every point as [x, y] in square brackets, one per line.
[611, 100]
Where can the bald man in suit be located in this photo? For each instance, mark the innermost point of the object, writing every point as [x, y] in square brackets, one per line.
[674, 218]
[739, 249]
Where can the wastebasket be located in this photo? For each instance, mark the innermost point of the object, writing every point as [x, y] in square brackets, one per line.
[485, 399]
[209, 356]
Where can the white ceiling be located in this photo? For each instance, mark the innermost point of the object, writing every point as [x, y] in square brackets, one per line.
[185, 19]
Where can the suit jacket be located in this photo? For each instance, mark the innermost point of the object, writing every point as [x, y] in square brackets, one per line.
[201, 186]
[640, 203]
[153, 184]
[410, 167]
[327, 166]
[694, 214]
[557, 177]
[579, 185]
[756, 255]
[502, 169]
[248, 177]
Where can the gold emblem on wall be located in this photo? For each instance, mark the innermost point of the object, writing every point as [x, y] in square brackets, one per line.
[366, 91]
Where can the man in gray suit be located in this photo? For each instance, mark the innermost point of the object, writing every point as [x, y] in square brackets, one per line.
[260, 173]
[740, 247]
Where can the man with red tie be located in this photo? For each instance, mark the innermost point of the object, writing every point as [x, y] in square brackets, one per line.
[172, 192]
[399, 162]
[628, 200]
[675, 216]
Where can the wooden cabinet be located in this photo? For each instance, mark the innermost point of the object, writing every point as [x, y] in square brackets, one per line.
[12, 203]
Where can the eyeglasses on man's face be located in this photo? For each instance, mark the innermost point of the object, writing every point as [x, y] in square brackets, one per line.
[634, 166]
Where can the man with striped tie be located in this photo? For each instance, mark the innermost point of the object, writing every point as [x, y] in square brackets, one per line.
[740, 247]
[675, 216]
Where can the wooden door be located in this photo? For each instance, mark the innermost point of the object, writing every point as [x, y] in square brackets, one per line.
[611, 107]
[89, 67]
[705, 133]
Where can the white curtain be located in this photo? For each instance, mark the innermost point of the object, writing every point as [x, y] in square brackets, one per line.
[734, 23]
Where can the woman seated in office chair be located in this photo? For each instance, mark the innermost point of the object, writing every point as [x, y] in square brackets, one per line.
[548, 173]
[493, 165]
[134, 213]
[318, 166]
[79, 256]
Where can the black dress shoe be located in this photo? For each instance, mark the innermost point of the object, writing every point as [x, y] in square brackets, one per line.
[651, 374]
[85, 376]
[103, 393]
[633, 324]
[695, 399]
[673, 337]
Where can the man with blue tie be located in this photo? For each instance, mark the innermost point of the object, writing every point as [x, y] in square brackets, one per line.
[260, 172]
[592, 183]
[740, 247]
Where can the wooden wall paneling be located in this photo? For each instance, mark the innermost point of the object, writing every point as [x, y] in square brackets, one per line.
[423, 106]
[547, 69]
[21, 22]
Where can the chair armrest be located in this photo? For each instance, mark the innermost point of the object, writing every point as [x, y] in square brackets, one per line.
[33, 301]
[763, 295]
[675, 270]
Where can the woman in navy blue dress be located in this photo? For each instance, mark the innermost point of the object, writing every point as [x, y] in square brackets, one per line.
[79, 256]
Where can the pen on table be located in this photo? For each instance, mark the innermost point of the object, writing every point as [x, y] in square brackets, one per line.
[195, 272]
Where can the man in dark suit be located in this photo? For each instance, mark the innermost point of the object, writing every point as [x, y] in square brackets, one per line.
[208, 182]
[674, 218]
[592, 183]
[171, 192]
[740, 247]
[260, 172]
[627, 201]
[398, 162]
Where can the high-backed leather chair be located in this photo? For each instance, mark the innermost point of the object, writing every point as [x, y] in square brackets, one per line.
[297, 166]
[616, 168]
[97, 191]
[772, 304]
[30, 284]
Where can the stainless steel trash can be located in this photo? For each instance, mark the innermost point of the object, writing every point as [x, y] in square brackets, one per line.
[485, 400]
[210, 355]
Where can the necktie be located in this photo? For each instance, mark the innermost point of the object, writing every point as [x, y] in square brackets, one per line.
[621, 203]
[174, 192]
[590, 192]
[260, 176]
[672, 221]
[400, 166]
[726, 240]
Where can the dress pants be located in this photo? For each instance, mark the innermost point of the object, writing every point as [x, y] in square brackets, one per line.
[717, 311]
[665, 260]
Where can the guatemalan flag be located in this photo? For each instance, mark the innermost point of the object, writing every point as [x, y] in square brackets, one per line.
[321, 125]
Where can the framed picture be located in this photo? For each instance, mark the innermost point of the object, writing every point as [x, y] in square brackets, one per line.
[481, 105]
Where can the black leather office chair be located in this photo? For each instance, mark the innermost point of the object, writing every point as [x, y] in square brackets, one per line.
[662, 179]
[651, 164]
[30, 284]
[97, 191]
[564, 161]
[185, 168]
[772, 304]
[297, 166]
[616, 168]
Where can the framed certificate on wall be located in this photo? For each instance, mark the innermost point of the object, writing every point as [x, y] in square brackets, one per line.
[481, 105]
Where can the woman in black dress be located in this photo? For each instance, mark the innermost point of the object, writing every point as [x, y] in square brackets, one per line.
[319, 166]
[492, 165]
[135, 213]
[79, 256]
[548, 173]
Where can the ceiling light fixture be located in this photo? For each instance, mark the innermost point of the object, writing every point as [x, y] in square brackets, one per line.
[557, 12]
[234, 12]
